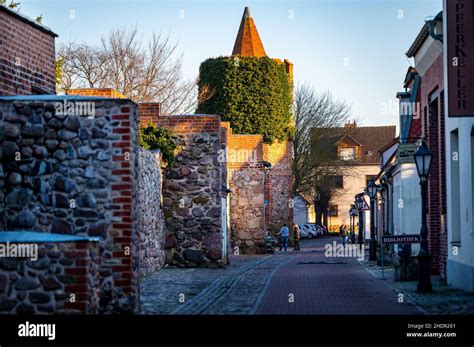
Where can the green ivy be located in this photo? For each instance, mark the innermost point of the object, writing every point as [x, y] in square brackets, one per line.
[152, 137]
[253, 94]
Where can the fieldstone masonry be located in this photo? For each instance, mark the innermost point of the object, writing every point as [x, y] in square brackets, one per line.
[150, 215]
[253, 185]
[74, 173]
[245, 173]
[278, 184]
[192, 192]
[45, 285]
[246, 206]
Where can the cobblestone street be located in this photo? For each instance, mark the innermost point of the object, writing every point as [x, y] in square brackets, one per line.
[303, 282]
[233, 290]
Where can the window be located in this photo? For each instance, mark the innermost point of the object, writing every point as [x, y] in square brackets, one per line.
[333, 211]
[347, 153]
[335, 181]
[455, 188]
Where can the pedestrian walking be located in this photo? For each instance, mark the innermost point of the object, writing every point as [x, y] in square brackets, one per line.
[296, 236]
[284, 235]
[342, 231]
[352, 236]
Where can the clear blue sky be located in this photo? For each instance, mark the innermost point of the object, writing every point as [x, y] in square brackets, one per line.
[354, 48]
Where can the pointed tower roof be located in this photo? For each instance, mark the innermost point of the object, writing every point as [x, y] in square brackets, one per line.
[248, 41]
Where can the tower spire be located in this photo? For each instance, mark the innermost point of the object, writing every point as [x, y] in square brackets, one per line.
[248, 41]
[246, 12]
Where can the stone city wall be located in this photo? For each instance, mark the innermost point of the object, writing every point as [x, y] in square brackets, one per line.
[66, 171]
[279, 180]
[192, 192]
[64, 279]
[150, 213]
[246, 180]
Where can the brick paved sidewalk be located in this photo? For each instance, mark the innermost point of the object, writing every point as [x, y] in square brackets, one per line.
[323, 285]
[444, 300]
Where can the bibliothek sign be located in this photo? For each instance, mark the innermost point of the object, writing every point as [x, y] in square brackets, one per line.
[412, 238]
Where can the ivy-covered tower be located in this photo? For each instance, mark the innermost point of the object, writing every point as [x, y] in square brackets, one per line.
[249, 44]
[250, 90]
[253, 95]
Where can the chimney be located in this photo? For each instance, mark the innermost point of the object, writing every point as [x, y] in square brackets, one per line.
[351, 125]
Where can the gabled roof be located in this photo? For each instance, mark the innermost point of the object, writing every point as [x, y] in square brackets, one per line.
[409, 76]
[305, 197]
[348, 139]
[248, 41]
[424, 34]
[415, 46]
[370, 138]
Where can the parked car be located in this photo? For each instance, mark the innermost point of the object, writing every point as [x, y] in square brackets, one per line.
[303, 232]
[319, 229]
[323, 228]
[308, 230]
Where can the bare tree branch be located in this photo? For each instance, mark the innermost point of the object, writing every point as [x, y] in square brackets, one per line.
[144, 73]
[316, 162]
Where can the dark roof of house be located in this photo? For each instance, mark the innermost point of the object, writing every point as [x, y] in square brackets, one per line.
[27, 20]
[423, 35]
[370, 138]
[411, 72]
[305, 197]
[415, 46]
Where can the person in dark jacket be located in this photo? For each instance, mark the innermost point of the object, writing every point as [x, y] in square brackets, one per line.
[296, 236]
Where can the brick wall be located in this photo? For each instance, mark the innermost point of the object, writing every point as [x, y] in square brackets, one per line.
[99, 92]
[433, 131]
[75, 174]
[27, 55]
[149, 112]
[192, 191]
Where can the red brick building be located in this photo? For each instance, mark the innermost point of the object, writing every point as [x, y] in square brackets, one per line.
[27, 55]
